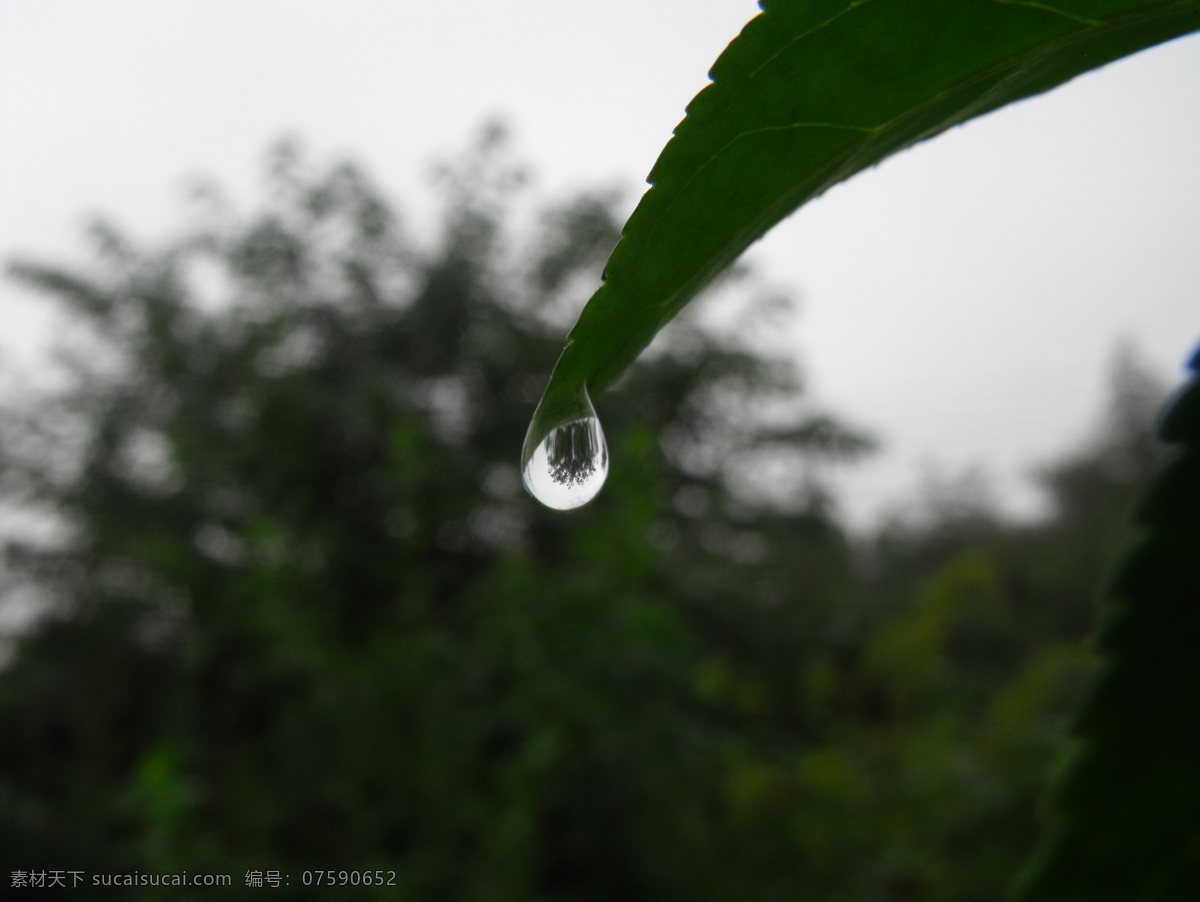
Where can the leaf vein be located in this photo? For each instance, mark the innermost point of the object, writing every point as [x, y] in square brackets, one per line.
[1046, 8]
[851, 7]
[866, 129]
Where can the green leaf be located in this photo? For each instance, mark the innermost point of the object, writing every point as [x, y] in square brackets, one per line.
[811, 92]
[1128, 805]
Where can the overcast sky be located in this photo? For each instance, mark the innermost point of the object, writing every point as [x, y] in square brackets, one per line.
[962, 300]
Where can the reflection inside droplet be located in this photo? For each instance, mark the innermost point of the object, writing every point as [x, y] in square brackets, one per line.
[568, 467]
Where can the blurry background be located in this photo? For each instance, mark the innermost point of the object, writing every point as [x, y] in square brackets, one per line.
[273, 599]
[1024, 246]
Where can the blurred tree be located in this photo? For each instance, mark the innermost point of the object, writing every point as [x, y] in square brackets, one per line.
[302, 615]
[299, 614]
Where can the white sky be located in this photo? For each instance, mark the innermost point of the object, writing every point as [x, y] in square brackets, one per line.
[962, 300]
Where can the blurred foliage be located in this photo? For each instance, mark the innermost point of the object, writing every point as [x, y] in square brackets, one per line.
[298, 614]
[1126, 806]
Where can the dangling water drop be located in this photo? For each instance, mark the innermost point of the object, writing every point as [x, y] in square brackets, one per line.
[565, 459]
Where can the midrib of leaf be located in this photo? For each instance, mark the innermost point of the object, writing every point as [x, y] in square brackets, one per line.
[1046, 8]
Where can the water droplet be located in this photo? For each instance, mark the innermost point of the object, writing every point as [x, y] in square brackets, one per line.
[565, 459]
